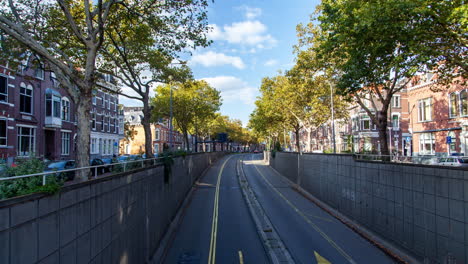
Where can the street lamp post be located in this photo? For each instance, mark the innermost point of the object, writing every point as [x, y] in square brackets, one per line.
[333, 118]
[171, 143]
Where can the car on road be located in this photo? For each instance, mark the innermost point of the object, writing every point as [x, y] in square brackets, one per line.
[60, 166]
[453, 161]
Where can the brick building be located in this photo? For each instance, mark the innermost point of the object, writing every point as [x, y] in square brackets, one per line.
[107, 120]
[365, 135]
[424, 118]
[439, 117]
[159, 133]
[37, 116]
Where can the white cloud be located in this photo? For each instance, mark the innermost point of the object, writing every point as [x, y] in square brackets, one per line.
[271, 62]
[233, 89]
[211, 59]
[251, 33]
[251, 12]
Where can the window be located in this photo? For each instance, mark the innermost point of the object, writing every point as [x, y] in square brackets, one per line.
[427, 144]
[93, 121]
[112, 105]
[396, 101]
[106, 101]
[39, 70]
[26, 96]
[355, 123]
[93, 145]
[102, 123]
[453, 105]
[101, 149]
[156, 148]
[54, 80]
[108, 123]
[116, 126]
[365, 122]
[65, 143]
[53, 105]
[464, 102]
[26, 141]
[3, 132]
[156, 134]
[395, 121]
[3, 89]
[453, 144]
[106, 146]
[65, 109]
[424, 110]
[94, 100]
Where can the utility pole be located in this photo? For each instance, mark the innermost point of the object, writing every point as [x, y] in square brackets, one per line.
[333, 117]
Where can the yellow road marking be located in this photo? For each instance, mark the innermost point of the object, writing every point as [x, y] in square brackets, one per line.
[214, 223]
[241, 258]
[320, 259]
[314, 226]
[319, 217]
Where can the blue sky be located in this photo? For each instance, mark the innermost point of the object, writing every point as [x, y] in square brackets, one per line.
[251, 40]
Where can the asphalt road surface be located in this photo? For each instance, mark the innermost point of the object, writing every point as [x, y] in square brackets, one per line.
[217, 227]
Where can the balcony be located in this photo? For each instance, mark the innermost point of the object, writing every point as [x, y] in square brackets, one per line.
[54, 122]
[53, 109]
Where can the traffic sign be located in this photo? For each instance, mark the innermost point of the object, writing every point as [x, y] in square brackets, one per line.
[449, 139]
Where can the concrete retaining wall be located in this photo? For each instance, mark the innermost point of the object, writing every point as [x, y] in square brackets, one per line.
[421, 208]
[115, 219]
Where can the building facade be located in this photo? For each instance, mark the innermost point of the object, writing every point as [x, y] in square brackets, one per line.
[37, 116]
[107, 120]
[424, 119]
[439, 116]
[364, 133]
[160, 134]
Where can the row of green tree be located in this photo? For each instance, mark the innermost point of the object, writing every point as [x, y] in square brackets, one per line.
[363, 51]
[194, 109]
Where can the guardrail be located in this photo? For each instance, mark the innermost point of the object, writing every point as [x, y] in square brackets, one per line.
[151, 161]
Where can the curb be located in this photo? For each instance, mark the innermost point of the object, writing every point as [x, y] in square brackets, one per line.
[272, 243]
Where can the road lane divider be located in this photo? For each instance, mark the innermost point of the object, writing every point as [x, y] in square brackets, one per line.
[241, 257]
[214, 223]
[312, 224]
[271, 241]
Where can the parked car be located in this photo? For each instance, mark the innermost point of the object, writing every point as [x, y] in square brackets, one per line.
[453, 161]
[99, 170]
[123, 158]
[109, 163]
[62, 165]
[135, 157]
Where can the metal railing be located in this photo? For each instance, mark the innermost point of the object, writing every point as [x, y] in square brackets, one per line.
[427, 160]
[124, 165]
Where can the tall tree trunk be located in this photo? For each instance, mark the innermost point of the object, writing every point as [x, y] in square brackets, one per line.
[83, 108]
[382, 127]
[147, 128]
[308, 140]
[187, 148]
[298, 145]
